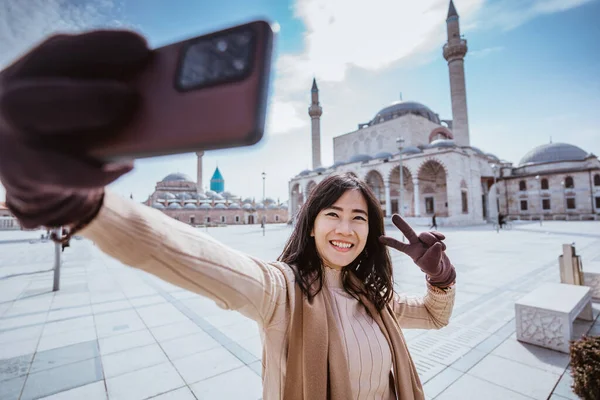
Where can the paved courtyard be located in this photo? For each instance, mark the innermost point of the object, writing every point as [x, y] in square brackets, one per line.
[117, 333]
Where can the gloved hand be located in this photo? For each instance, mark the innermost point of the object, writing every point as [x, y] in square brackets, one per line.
[56, 101]
[426, 250]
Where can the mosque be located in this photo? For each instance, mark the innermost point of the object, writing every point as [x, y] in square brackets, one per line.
[419, 165]
[178, 196]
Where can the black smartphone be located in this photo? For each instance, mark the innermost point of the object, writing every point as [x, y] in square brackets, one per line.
[205, 93]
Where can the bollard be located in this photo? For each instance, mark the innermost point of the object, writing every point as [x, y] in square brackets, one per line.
[570, 266]
[57, 255]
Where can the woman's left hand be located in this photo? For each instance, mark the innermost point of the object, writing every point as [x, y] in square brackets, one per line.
[426, 250]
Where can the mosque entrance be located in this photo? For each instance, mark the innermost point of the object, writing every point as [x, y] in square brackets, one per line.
[250, 219]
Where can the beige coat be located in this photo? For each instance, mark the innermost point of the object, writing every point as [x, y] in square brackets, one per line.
[146, 239]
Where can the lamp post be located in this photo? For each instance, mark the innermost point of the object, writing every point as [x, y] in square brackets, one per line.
[541, 203]
[494, 168]
[399, 143]
[264, 175]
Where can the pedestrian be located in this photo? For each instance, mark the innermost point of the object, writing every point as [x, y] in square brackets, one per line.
[433, 222]
[331, 321]
[501, 220]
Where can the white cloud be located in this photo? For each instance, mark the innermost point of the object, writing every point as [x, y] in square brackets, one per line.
[485, 52]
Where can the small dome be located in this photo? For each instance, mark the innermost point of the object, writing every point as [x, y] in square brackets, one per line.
[177, 177]
[247, 206]
[157, 205]
[260, 206]
[247, 200]
[183, 196]
[227, 195]
[383, 154]
[411, 150]
[492, 156]
[337, 164]
[174, 205]
[283, 206]
[359, 158]
[442, 143]
[220, 206]
[272, 207]
[234, 206]
[165, 195]
[269, 200]
[477, 150]
[553, 152]
[190, 206]
[210, 194]
[400, 108]
[205, 206]
[305, 172]
[320, 169]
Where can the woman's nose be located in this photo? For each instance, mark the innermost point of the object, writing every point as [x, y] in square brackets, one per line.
[344, 228]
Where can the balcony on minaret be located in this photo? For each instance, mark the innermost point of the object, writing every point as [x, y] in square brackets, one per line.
[455, 49]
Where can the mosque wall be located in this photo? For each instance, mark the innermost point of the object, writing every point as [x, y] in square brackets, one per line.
[382, 137]
[229, 217]
[566, 194]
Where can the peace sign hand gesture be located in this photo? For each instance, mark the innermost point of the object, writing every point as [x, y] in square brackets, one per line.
[426, 250]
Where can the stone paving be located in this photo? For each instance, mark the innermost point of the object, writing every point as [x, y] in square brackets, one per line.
[117, 333]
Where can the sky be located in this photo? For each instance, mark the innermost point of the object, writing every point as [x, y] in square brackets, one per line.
[531, 71]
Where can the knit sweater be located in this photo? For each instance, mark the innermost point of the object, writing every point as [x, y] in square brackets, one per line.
[147, 239]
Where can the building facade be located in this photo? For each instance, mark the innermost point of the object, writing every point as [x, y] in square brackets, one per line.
[419, 165]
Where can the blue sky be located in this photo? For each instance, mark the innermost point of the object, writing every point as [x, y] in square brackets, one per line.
[531, 71]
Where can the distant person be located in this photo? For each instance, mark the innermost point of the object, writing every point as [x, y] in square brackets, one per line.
[327, 310]
[433, 222]
[501, 220]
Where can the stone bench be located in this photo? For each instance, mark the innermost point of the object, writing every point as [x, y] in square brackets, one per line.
[545, 316]
[591, 278]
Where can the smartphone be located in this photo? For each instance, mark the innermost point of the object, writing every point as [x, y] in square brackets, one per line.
[205, 93]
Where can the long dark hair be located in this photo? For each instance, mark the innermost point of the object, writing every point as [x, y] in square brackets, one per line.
[372, 267]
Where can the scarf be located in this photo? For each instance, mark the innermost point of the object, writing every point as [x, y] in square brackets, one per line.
[317, 368]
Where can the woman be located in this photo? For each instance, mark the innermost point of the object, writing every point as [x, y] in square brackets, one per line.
[327, 311]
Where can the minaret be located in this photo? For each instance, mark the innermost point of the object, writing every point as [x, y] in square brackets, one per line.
[454, 52]
[315, 111]
[199, 171]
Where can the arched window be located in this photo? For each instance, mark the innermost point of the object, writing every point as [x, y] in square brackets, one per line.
[569, 184]
[522, 186]
[597, 180]
[544, 184]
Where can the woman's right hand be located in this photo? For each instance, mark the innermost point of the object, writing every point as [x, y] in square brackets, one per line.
[55, 101]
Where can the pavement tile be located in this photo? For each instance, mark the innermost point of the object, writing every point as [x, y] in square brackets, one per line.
[188, 345]
[111, 306]
[172, 331]
[117, 343]
[441, 381]
[59, 379]
[468, 387]
[92, 391]
[64, 355]
[247, 386]
[148, 301]
[68, 325]
[16, 349]
[133, 359]
[534, 356]
[24, 321]
[11, 389]
[183, 393]
[563, 388]
[467, 361]
[490, 343]
[68, 338]
[144, 383]
[195, 368]
[117, 323]
[253, 345]
[16, 335]
[161, 314]
[13, 367]
[518, 377]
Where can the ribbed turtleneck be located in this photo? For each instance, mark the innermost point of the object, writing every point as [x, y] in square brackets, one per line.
[367, 351]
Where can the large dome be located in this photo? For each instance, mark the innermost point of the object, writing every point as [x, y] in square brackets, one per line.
[177, 177]
[400, 108]
[553, 152]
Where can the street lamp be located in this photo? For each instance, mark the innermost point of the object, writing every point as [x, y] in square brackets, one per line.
[494, 168]
[399, 143]
[541, 203]
[264, 175]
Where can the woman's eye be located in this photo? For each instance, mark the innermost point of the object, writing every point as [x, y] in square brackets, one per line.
[331, 214]
[360, 218]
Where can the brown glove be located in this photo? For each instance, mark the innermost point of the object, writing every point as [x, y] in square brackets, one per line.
[55, 101]
[426, 250]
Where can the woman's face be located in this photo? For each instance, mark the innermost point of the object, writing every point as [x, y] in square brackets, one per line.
[341, 230]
